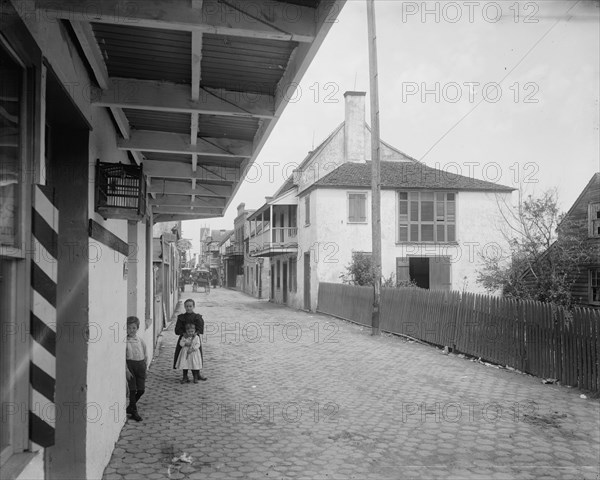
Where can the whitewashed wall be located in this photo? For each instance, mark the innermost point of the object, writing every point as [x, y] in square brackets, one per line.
[478, 229]
[107, 314]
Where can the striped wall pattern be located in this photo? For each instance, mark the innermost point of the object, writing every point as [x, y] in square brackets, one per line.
[44, 226]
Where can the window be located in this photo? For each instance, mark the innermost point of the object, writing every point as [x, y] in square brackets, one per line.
[11, 151]
[594, 292]
[426, 217]
[357, 207]
[594, 219]
[15, 355]
[278, 274]
[307, 210]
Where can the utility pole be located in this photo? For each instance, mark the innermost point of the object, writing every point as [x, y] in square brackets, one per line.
[375, 169]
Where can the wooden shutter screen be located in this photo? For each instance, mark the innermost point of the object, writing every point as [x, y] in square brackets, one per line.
[352, 208]
[402, 270]
[439, 273]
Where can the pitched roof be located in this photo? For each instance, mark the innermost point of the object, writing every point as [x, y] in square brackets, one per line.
[220, 235]
[405, 175]
[595, 179]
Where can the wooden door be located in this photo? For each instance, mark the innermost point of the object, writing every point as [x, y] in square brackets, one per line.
[307, 281]
[285, 282]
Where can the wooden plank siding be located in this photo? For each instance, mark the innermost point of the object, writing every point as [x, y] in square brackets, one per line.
[537, 338]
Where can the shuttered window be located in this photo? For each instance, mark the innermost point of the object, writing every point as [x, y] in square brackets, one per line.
[594, 219]
[594, 295]
[357, 207]
[426, 217]
[307, 210]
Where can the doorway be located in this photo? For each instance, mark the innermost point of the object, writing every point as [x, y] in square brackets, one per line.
[307, 281]
[419, 271]
[285, 282]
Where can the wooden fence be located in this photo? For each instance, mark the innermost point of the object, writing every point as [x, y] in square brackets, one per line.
[533, 337]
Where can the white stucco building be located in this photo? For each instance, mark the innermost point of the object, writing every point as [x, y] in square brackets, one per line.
[434, 224]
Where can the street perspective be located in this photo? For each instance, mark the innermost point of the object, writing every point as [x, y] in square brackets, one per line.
[299, 239]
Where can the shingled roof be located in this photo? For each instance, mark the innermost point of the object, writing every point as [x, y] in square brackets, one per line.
[404, 175]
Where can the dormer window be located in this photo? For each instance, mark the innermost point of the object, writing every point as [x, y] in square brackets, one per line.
[594, 219]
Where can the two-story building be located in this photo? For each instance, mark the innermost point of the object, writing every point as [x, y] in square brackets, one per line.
[213, 258]
[236, 253]
[434, 224]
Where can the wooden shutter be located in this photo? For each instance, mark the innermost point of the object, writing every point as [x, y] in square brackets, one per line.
[361, 204]
[352, 217]
[357, 207]
[402, 269]
[439, 273]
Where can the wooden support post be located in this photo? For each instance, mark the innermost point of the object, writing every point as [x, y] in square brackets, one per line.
[375, 169]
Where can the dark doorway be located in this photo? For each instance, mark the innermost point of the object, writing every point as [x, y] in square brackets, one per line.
[419, 271]
[285, 282]
[271, 293]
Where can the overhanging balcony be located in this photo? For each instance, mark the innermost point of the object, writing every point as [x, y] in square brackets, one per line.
[234, 251]
[274, 241]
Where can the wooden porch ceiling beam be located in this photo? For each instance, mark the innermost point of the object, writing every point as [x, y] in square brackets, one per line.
[89, 46]
[171, 97]
[297, 65]
[262, 19]
[186, 210]
[166, 217]
[184, 201]
[166, 142]
[159, 186]
[222, 175]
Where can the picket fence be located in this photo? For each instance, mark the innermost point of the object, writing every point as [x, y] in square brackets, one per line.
[533, 337]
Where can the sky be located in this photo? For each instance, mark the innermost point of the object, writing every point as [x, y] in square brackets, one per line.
[504, 91]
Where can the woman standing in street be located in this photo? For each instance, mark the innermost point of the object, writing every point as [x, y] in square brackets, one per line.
[182, 319]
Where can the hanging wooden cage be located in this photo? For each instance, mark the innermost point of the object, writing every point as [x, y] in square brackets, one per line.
[120, 191]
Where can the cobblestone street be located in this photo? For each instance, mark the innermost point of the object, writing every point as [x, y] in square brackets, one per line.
[298, 395]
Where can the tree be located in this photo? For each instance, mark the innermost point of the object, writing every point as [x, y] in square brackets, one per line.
[360, 272]
[545, 250]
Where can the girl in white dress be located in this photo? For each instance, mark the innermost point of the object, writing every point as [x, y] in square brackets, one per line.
[189, 357]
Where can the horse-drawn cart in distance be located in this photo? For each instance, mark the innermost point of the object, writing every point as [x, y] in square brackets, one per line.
[201, 279]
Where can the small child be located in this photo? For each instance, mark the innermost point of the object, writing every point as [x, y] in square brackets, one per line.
[137, 361]
[189, 356]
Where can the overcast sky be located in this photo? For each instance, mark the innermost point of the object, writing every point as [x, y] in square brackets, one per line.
[513, 94]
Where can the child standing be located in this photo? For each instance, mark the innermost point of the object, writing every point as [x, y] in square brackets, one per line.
[189, 356]
[137, 361]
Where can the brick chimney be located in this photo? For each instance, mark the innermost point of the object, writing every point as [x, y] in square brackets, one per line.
[354, 127]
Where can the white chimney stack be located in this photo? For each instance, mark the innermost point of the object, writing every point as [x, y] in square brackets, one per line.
[354, 127]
